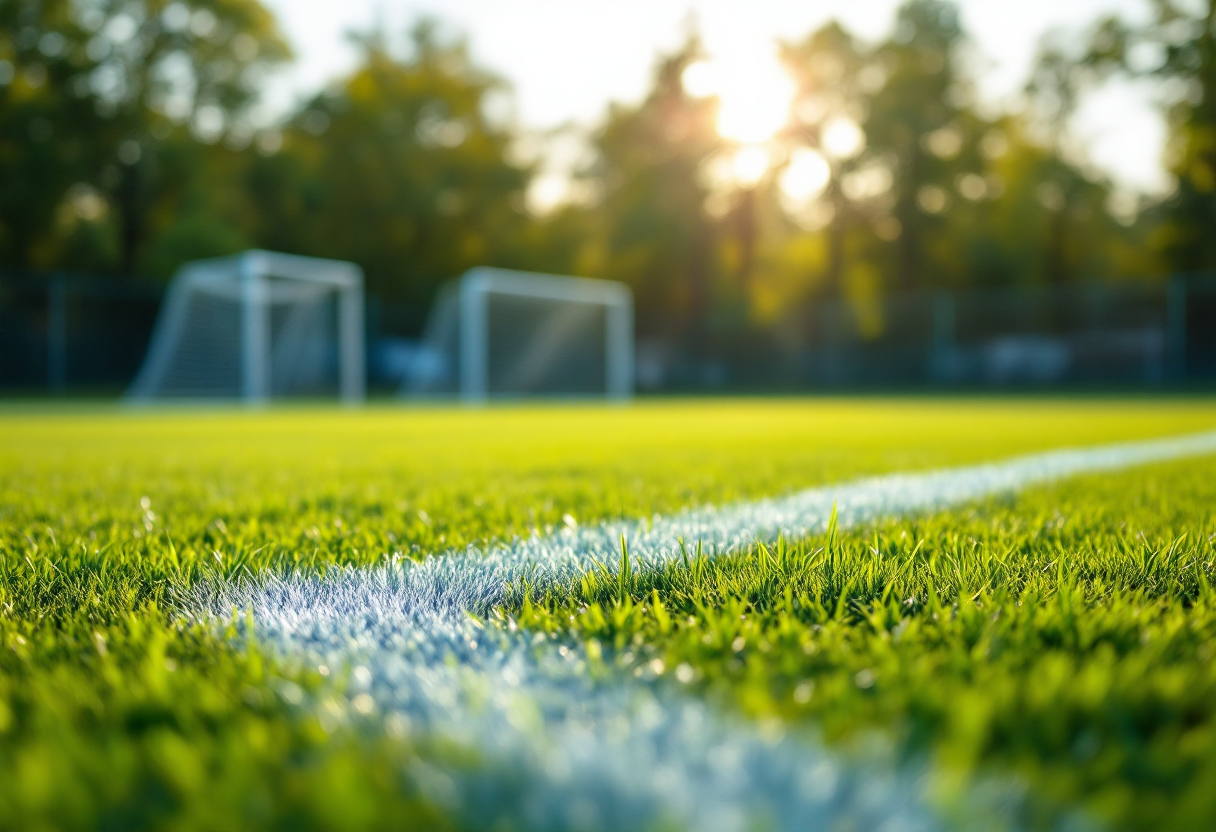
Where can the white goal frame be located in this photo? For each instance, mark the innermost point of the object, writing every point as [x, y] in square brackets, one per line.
[254, 279]
[472, 299]
[476, 286]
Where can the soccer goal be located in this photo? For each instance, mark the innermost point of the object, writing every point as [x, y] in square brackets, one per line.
[502, 333]
[256, 326]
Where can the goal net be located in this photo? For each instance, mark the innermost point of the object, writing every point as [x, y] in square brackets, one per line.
[502, 333]
[257, 326]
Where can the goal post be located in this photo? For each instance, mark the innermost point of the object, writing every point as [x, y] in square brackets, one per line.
[499, 333]
[256, 326]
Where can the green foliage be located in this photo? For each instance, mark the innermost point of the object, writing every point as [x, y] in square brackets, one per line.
[1063, 637]
[972, 199]
[1176, 45]
[103, 93]
[399, 168]
[127, 145]
[915, 118]
[46, 131]
[656, 235]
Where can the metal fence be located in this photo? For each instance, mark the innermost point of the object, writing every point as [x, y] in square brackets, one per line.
[1115, 335]
[63, 332]
[1120, 334]
[80, 334]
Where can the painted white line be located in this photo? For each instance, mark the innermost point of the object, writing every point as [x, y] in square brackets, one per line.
[565, 750]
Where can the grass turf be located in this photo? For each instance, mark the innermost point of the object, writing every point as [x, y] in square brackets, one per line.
[1064, 637]
[114, 713]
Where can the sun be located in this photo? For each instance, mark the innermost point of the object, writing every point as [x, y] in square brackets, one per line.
[753, 91]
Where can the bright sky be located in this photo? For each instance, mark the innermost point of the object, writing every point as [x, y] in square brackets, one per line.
[566, 59]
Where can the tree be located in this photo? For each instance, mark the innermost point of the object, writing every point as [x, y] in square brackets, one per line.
[163, 64]
[47, 122]
[103, 86]
[833, 73]
[651, 177]
[917, 126]
[931, 192]
[399, 168]
[1178, 48]
[1077, 237]
[1034, 217]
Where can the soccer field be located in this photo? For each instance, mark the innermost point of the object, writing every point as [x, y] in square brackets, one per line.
[312, 618]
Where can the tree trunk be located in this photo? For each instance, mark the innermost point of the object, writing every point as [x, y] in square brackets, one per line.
[834, 278]
[909, 219]
[130, 219]
[745, 228]
[698, 290]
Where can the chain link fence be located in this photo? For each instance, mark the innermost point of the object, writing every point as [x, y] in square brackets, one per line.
[63, 333]
[1088, 334]
[73, 333]
[1095, 335]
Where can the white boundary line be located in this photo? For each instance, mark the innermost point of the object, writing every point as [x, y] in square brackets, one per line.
[582, 753]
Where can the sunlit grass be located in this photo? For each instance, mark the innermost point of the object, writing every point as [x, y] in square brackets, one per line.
[104, 513]
[1064, 638]
[320, 486]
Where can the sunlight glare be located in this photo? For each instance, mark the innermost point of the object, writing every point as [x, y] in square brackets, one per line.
[754, 93]
[806, 175]
[700, 79]
[842, 138]
[749, 165]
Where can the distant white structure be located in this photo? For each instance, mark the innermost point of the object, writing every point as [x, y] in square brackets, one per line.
[503, 333]
[256, 326]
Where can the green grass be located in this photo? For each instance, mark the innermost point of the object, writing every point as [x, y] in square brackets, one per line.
[116, 714]
[1064, 638]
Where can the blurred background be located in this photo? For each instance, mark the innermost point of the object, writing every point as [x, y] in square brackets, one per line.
[801, 196]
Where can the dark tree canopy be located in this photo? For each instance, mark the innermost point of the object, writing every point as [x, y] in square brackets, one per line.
[129, 144]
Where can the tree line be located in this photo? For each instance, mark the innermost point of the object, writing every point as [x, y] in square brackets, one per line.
[130, 143]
